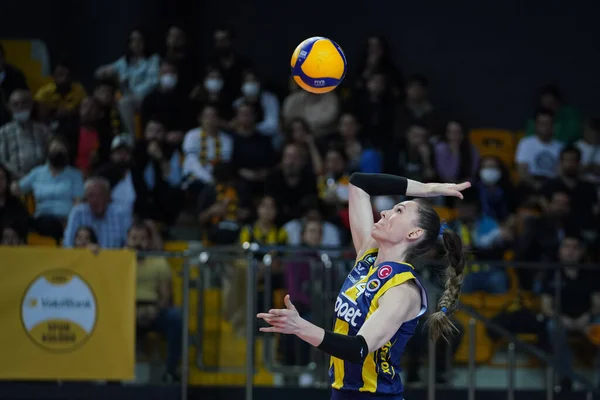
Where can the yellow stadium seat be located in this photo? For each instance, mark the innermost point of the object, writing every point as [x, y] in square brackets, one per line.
[446, 213]
[495, 142]
[32, 58]
[33, 239]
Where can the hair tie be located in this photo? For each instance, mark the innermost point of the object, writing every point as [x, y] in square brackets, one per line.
[444, 310]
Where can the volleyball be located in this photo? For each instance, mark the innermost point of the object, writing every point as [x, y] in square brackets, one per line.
[318, 65]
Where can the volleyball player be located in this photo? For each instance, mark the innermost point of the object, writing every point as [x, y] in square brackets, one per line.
[381, 300]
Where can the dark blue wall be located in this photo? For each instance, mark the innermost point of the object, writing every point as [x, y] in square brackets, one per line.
[485, 60]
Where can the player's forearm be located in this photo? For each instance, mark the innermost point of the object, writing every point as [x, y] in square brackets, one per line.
[311, 333]
[349, 348]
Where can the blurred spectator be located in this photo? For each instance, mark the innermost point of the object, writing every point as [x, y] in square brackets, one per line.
[169, 102]
[583, 194]
[137, 74]
[105, 95]
[12, 210]
[320, 111]
[230, 63]
[416, 158]
[23, 142]
[567, 120]
[11, 79]
[537, 155]
[55, 186]
[456, 159]
[89, 139]
[334, 183]
[375, 109]
[265, 103]
[12, 235]
[154, 312]
[484, 239]
[224, 206]
[108, 220]
[210, 92]
[579, 303]
[377, 58]
[85, 237]
[291, 182]
[494, 188]
[298, 132]
[358, 150]
[311, 210]
[126, 189]
[541, 235]
[253, 153]
[416, 108]
[59, 101]
[180, 53]
[156, 176]
[590, 151]
[203, 147]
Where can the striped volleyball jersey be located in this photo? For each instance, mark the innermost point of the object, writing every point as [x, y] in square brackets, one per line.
[358, 299]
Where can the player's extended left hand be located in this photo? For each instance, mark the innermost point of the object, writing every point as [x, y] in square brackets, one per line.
[286, 320]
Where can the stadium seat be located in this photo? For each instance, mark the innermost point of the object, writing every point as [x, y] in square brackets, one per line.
[33, 239]
[33, 59]
[445, 213]
[495, 142]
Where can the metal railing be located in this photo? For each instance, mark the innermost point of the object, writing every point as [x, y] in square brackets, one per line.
[327, 272]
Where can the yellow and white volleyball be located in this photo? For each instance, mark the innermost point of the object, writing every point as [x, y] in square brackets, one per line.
[318, 65]
[59, 311]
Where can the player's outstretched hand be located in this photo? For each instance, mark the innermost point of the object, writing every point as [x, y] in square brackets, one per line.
[286, 320]
[418, 189]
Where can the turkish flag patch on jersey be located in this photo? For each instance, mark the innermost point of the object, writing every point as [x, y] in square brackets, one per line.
[384, 271]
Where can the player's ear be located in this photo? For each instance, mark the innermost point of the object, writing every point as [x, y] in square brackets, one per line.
[415, 234]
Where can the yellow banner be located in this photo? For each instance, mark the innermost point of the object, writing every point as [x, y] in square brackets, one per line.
[67, 314]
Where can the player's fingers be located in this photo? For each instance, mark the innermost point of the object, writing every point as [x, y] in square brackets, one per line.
[263, 315]
[271, 329]
[462, 186]
[288, 302]
[278, 312]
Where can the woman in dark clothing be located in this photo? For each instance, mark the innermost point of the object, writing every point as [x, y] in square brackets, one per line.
[12, 210]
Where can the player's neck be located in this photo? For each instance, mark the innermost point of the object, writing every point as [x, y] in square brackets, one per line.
[395, 253]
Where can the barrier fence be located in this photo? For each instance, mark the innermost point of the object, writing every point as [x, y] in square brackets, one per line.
[221, 289]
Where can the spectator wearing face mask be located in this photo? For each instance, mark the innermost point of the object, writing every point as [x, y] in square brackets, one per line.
[210, 91]
[265, 103]
[56, 188]
[496, 192]
[23, 142]
[168, 102]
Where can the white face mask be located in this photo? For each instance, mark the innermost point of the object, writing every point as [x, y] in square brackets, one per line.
[490, 176]
[250, 89]
[168, 81]
[213, 85]
[22, 116]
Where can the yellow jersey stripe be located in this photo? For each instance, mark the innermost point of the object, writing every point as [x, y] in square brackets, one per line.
[341, 327]
[369, 371]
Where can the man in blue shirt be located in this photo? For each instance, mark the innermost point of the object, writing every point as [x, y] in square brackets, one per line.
[108, 220]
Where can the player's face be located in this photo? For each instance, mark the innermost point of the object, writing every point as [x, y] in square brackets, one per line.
[398, 224]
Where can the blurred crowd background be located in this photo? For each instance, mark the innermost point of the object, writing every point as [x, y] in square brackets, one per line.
[172, 144]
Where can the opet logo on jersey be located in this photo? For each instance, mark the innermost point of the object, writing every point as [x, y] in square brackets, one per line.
[346, 312]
